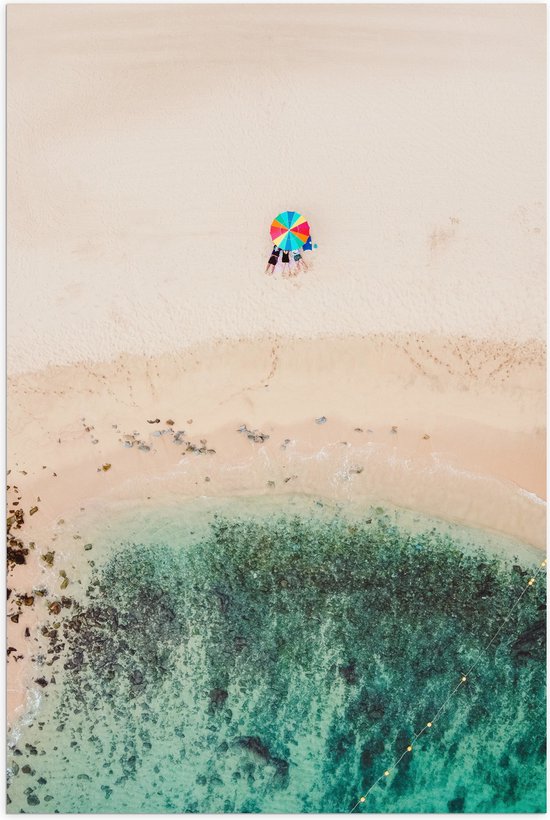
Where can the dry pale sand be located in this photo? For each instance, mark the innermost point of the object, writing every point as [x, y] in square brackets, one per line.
[149, 147]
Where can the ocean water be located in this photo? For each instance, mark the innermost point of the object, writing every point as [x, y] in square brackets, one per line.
[281, 662]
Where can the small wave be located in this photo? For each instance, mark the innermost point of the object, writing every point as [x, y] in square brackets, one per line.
[532, 497]
[32, 706]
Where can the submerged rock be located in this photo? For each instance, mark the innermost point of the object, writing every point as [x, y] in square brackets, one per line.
[348, 673]
[255, 745]
[456, 805]
[259, 749]
[218, 697]
[532, 642]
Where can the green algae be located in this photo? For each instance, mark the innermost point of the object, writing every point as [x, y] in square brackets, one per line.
[282, 665]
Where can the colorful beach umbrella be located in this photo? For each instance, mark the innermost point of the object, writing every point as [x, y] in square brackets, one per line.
[289, 230]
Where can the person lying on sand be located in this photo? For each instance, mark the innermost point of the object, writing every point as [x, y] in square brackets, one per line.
[286, 263]
[273, 259]
[299, 262]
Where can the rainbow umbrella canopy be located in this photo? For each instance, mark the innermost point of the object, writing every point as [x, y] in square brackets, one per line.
[289, 230]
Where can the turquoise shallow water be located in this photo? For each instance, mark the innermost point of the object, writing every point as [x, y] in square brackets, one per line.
[281, 663]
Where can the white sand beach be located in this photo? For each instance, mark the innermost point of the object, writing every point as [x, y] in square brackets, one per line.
[149, 148]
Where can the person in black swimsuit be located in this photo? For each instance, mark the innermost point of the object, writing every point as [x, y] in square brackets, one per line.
[273, 259]
[286, 262]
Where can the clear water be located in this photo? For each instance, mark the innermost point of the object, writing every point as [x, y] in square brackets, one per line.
[280, 663]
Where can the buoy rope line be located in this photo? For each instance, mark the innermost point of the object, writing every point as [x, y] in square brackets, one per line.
[463, 679]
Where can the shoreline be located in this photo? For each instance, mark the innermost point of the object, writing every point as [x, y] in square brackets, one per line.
[129, 522]
[373, 427]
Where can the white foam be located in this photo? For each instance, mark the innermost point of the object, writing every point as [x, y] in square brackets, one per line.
[32, 706]
[532, 497]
